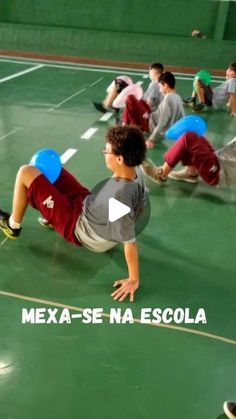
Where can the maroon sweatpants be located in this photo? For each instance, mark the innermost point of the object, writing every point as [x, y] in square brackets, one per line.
[136, 113]
[193, 150]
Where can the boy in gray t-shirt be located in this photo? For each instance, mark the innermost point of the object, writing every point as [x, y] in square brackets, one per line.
[153, 96]
[93, 229]
[169, 111]
[81, 217]
[137, 108]
[218, 97]
[225, 93]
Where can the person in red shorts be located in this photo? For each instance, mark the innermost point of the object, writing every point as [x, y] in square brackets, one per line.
[156, 123]
[199, 159]
[136, 111]
[81, 217]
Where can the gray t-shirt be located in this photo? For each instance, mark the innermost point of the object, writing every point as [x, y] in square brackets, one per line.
[93, 228]
[170, 110]
[221, 93]
[153, 95]
[227, 159]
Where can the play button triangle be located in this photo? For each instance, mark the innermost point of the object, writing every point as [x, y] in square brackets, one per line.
[116, 210]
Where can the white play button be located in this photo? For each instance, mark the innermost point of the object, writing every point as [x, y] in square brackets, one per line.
[117, 210]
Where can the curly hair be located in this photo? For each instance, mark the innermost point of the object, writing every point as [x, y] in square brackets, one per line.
[128, 142]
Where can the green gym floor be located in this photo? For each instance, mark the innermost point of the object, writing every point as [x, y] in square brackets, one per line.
[187, 259]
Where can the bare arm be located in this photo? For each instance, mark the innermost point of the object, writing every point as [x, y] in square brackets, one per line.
[130, 285]
[232, 103]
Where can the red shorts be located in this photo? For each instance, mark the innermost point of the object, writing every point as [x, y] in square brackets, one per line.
[59, 203]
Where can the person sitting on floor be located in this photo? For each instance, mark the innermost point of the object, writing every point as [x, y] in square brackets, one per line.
[219, 97]
[113, 90]
[153, 96]
[156, 123]
[81, 217]
[148, 103]
[217, 168]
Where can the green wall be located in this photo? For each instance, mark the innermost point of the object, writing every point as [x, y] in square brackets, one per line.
[230, 28]
[127, 30]
[135, 16]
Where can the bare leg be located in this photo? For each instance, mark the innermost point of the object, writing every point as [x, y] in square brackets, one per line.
[232, 103]
[107, 103]
[165, 170]
[200, 92]
[24, 178]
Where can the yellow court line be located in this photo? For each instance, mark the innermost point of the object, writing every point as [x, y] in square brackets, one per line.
[106, 315]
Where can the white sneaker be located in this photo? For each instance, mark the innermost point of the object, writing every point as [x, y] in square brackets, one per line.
[184, 176]
[44, 223]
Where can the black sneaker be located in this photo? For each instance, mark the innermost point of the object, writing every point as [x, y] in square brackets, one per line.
[230, 409]
[116, 110]
[190, 101]
[201, 107]
[11, 233]
[99, 106]
[118, 120]
[44, 223]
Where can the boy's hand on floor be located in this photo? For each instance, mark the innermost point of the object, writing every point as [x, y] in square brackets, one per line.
[126, 287]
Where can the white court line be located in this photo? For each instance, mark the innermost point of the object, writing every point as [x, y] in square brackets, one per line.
[89, 133]
[106, 116]
[9, 133]
[96, 82]
[102, 69]
[66, 100]
[21, 73]
[70, 65]
[68, 154]
[152, 162]
[107, 315]
[4, 241]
